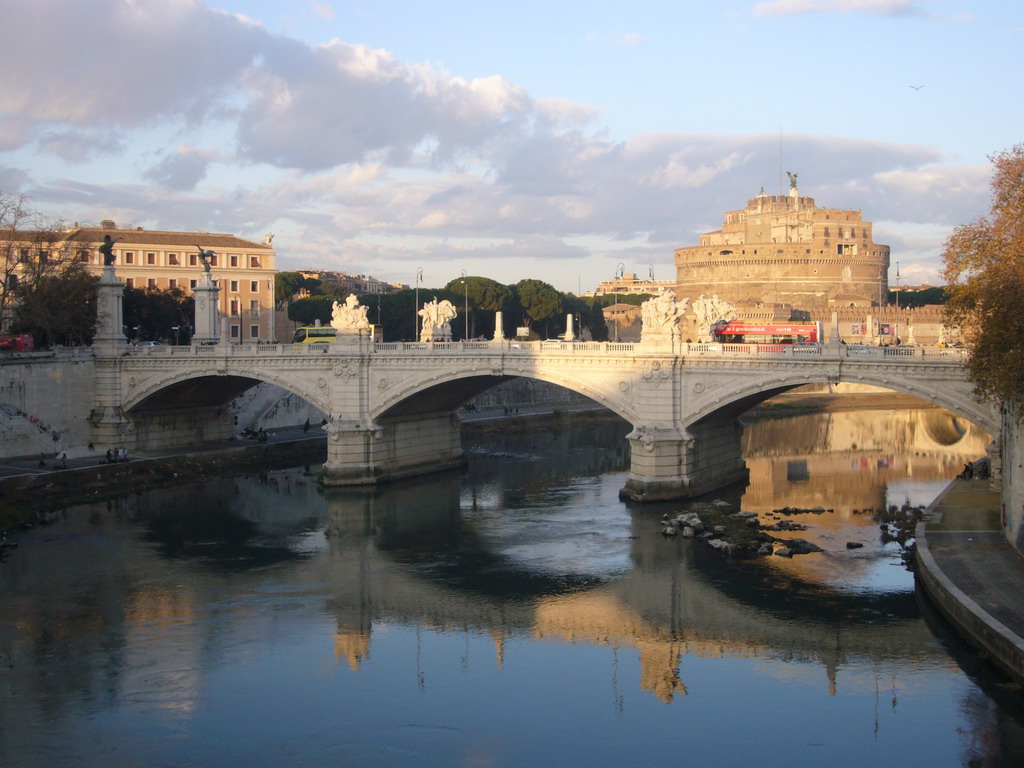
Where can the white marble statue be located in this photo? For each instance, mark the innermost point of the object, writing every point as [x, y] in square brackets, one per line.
[437, 318]
[350, 316]
[660, 317]
[711, 312]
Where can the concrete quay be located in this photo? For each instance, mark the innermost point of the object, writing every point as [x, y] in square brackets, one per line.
[972, 575]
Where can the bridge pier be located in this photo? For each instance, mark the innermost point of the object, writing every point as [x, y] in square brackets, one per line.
[391, 448]
[668, 464]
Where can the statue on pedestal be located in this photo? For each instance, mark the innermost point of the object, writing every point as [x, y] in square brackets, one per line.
[350, 316]
[206, 257]
[660, 317]
[437, 318]
[107, 249]
[711, 312]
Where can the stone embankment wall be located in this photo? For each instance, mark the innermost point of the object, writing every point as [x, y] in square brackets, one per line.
[45, 402]
[1012, 475]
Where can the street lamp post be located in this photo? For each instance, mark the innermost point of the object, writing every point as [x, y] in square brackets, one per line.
[897, 285]
[465, 286]
[177, 334]
[416, 309]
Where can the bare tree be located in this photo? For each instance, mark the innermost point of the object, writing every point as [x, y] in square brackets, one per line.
[45, 286]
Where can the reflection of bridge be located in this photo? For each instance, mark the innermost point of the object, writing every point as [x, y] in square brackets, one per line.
[391, 407]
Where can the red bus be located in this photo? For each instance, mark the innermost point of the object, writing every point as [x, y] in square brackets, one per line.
[22, 343]
[769, 333]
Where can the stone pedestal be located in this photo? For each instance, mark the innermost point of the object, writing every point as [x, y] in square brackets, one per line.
[499, 327]
[363, 454]
[667, 465]
[109, 310]
[207, 297]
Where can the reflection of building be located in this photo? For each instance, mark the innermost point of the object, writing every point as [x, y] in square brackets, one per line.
[243, 269]
[785, 249]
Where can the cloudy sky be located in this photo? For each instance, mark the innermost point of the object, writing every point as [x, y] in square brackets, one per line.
[552, 139]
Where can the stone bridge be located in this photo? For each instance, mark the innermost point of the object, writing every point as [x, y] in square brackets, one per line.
[392, 406]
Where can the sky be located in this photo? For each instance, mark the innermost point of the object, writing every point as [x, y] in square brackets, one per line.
[559, 140]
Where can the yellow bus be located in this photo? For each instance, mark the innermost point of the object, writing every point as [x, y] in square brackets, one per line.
[314, 334]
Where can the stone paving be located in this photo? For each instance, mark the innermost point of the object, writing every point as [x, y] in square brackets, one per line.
[966, 567]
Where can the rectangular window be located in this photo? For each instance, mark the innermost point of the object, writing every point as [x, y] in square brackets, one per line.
[234, 286]
[234, 331]
[84, 255]
[22, 254]
[151, 258]
[254, 307]
[129, 282]
[234, 307]
[254, 262]
[192, 284]
[172, 283]
[151, 283]
[254, 331]
[193, 260]
[234, 260]
[172, 259]
[254, 286]
[129, 257]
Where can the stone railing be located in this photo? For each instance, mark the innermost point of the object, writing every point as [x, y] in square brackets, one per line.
[513, 347]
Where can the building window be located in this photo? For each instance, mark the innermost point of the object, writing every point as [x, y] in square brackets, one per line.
[172, 283]
[151, 258]
[254, 262]
[254, 286]
[172, 259]
[193, 259]
[151, 283]
[234, 331]
[129, 257]
[130, 282]
[234, 286]
[254, 331]
[213, 260]
[84, 255]
[234, 260]
[234, 307]
[192, 284]
[846, 249]
[254, 307]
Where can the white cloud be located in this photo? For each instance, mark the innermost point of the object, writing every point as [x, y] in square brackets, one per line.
[877, 7]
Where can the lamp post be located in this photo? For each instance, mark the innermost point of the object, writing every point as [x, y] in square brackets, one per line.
[465, 286]
[177, 334]
[897, 285]
[416, 308]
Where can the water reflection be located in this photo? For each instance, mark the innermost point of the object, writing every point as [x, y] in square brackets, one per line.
[437, 615]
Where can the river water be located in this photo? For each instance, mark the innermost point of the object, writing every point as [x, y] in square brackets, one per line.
[515, 614]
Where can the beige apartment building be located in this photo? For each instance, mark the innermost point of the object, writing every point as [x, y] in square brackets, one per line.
[783, 249]
[243, 269]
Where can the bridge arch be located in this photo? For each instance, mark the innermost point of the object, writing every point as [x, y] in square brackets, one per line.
[748, 392]
[183, 388]
[449, 390]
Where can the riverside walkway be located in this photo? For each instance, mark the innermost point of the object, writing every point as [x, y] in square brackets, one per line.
[970, 572]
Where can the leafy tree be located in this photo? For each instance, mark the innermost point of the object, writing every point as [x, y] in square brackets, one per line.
[486, 296]
[45, 286]
[307, 311]
[607, 299]
[57, 307]
[156, 313]
[286, 285]
[539, 301]
[984, 271]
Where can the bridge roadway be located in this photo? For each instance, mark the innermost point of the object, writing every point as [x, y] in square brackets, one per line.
[391, 406]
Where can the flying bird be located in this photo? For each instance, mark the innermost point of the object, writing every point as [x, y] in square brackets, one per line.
[917, 87]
